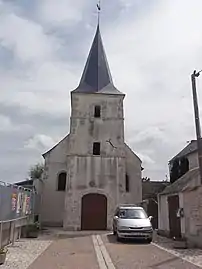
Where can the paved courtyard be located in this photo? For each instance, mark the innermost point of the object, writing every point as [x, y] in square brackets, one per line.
[98, 251]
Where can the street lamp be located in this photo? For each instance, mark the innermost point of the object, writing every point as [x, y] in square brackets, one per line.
[197, 120]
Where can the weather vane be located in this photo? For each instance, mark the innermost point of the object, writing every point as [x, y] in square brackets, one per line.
[99, 10]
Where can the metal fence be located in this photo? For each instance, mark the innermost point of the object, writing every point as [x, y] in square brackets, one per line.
[15, 201]
[10, 230]
[17, 206]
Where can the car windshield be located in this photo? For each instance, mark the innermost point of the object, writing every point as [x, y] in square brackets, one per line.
[132, 214]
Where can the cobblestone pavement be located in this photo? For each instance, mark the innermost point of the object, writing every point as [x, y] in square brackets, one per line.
[130, 255]
[193, 255]
[71, 253]
[23, 253]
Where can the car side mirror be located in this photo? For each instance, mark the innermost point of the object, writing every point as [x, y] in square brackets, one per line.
[116, 217]
[150, 218]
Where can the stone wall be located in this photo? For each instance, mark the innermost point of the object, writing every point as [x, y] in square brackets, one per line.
[88, 173]
[105, 173]
[86, 129]
[193, 216]
[52, 201]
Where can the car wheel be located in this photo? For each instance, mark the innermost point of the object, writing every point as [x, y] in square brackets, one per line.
[118, 239]
[114, 232]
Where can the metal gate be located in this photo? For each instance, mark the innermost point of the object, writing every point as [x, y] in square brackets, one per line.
[94, 212]
[174, 220]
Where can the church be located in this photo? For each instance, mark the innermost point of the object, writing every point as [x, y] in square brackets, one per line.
[92, 170]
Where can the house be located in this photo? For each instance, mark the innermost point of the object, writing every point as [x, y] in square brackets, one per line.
[92, 170]
[180, 203]
[150, 190]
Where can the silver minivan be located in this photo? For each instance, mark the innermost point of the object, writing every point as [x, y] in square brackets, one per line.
[132, 222]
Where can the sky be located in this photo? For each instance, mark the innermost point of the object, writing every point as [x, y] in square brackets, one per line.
[152, 48]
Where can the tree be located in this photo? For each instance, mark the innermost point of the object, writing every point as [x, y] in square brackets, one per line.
[36, 171]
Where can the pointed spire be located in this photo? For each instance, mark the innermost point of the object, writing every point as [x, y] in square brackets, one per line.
[96, 75]
[96, 72]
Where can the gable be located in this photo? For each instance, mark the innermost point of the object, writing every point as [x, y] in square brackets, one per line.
[190, 178]
[131, 155]
[190, 148]
[58, 153]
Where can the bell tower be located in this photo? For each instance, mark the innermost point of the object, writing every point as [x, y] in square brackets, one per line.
[96, 157]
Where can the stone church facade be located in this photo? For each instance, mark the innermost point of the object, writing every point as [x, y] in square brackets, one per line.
[92, 170]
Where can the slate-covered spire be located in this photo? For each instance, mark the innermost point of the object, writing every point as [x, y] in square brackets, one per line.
[96, 76]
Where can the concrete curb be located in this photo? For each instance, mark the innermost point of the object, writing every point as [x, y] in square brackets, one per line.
[103, 257]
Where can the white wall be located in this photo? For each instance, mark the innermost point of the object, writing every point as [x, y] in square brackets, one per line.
[190, 199]
[164, 213]
[104, 174]
[52, 211]
[133, 169]
[193, 160]
[163, 220]
[85, 129]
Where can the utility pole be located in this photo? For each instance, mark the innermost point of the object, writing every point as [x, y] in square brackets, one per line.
[197, 120]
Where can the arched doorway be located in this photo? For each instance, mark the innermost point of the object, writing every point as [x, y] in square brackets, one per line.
[94, 212]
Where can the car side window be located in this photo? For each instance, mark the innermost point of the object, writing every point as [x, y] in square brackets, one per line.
[122, 213]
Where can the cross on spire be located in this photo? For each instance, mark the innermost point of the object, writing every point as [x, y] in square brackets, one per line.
[99, 10]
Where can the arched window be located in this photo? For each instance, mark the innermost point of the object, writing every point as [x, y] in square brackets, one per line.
[62, 178]
[127, 183]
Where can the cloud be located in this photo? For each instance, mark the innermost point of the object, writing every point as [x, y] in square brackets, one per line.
[145, 158]
[25, 38]
[5, 124]
[43, 48]
[39, 142]
[61, 12]
[159, 51]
